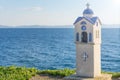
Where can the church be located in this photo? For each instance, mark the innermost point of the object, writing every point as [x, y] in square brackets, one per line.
[88, 44]
[88, 48]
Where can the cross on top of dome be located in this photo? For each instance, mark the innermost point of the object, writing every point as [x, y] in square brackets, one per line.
[87, 5]
[88, 12]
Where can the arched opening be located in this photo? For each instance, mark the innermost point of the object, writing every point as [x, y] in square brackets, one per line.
[84, 37]
[97, 34]
[77, 36]
[90, 37]
[97, 24]
[83, 23]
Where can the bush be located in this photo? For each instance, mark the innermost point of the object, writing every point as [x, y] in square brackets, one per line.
[61, 73]
[16, 73]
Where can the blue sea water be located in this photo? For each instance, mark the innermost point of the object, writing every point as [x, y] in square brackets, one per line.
[53, 48]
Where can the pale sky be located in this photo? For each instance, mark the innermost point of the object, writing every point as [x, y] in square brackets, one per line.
[56, 12]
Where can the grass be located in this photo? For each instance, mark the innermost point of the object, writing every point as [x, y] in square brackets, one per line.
[23, 73]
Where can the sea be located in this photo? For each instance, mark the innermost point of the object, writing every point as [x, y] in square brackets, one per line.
[53, 48]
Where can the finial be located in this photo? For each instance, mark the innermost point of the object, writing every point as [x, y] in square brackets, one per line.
[87, 5]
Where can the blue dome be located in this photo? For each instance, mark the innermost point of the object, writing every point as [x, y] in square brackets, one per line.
[88, 11]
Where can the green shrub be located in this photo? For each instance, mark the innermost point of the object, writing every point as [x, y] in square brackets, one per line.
[61, 73]
[16, 73]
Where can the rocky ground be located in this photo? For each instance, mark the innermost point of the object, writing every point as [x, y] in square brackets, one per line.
[46, 77]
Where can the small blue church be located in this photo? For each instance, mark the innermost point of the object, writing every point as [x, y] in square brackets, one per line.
[88, 44]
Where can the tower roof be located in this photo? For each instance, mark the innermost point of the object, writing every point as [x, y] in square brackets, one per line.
[88, 15]
[91, 20]
[88, 10]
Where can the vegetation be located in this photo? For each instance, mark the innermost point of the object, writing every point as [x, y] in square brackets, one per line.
[23, 73]
[16, 73]
[60, 73]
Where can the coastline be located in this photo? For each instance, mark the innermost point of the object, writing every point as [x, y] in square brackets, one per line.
[14, 72]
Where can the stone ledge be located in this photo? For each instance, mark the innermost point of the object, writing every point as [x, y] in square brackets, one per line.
[102, 77]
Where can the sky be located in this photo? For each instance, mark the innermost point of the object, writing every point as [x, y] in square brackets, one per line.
[56, 12]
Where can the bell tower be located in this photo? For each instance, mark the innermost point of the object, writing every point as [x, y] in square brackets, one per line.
[88, 44]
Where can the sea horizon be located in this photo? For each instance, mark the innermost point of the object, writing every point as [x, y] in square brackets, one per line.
[56, 26]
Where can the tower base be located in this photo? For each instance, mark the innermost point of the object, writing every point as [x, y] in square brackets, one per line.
[102, 77]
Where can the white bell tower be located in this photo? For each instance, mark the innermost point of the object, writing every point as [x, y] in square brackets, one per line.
[88, 44]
